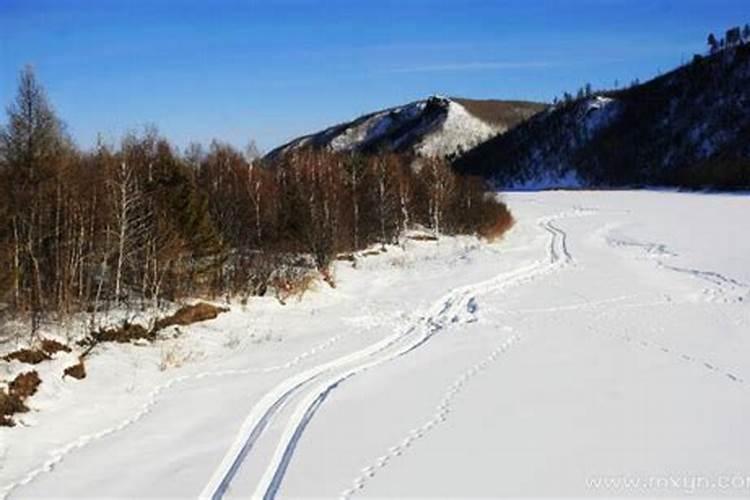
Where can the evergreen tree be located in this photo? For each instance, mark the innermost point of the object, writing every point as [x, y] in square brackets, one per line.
[34, 134]
[713, 43]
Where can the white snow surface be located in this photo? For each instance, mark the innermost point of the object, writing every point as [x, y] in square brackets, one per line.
[459, 131]
[376, 126]
[605, 338]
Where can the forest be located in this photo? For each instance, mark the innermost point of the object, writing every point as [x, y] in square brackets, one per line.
[141, 223]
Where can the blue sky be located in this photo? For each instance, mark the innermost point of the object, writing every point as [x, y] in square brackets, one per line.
[271, 70]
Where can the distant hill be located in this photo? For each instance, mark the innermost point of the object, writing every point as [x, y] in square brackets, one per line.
[689, 127]
[436, 126]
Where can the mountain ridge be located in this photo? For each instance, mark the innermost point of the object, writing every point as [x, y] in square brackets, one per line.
[435, 126]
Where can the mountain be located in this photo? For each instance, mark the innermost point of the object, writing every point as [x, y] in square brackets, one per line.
[689, 127]
[436, 126]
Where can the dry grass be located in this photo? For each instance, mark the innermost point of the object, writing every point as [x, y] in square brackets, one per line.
[505, 113]
[12, 400]
[52, 347]
[24, 385]
[188, 315]
[423, 237]
[77, 371]
[174, 357]
[9, 406]
[346, 257]
[124, 334]
[293, 287]
[28, 356]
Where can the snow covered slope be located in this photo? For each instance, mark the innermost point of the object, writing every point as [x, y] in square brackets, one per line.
[600, 350]
[689, 127]
[437, 126]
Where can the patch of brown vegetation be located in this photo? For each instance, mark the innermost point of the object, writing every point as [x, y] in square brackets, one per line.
[10, 405]
[124, 334]
[346, 257]
[77, 371]
[423, 237]
[24, 385]
[51, 347]
[498, 221]
[188, 315]
[28, 356]
[503, 113]
[12, 400]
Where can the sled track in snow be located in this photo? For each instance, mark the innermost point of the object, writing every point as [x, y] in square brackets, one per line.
[59, 454]
[457, 306]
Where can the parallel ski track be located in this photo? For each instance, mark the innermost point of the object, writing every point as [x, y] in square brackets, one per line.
[455, 307]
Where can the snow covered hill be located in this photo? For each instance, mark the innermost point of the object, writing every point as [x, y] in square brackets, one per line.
[437, 126]
[599, 350]
[689, 127]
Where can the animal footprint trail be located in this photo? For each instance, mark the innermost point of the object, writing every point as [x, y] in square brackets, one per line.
[682, 357]
[442, 412]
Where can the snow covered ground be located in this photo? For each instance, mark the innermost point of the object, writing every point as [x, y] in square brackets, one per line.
[600, 350]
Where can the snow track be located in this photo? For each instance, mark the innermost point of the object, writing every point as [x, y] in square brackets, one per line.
[720, 288]
[679, 356]
[59, 454]
[455, 307]
[604, 336]
[441, 415]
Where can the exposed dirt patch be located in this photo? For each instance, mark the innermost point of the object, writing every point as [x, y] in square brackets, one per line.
[188, 315]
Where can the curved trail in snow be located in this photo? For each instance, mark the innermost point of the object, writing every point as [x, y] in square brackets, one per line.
[559, 256]
[457, 306]
[58, 455]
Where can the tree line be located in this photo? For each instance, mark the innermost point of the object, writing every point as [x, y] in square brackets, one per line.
[140, 223]
[733, 37]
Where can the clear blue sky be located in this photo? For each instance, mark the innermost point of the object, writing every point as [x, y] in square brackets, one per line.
[273, 69]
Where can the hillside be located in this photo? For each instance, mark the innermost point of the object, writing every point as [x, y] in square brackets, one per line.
[689, 127]
[436, 126]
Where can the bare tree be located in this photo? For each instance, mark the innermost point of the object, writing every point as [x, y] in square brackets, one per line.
[130, 219]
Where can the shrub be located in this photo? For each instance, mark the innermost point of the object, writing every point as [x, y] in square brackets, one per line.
[77, 371]
[28, 356]
[188, 315]
[24, 385]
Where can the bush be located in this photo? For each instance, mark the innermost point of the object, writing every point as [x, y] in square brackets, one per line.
[188, 315]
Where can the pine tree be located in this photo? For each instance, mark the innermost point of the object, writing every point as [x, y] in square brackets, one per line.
[34, 134]
[713, 43]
